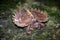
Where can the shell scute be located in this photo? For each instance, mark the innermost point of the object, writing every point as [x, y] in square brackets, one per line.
[25, 17]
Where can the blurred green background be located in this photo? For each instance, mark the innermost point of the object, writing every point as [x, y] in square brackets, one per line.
[9, 31]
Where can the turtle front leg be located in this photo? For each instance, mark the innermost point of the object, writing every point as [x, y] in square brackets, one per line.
[28, 30]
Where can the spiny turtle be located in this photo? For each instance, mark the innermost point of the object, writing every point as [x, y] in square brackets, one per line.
[29, 18]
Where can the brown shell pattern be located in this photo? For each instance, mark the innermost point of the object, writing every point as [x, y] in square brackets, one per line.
[25, 17]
